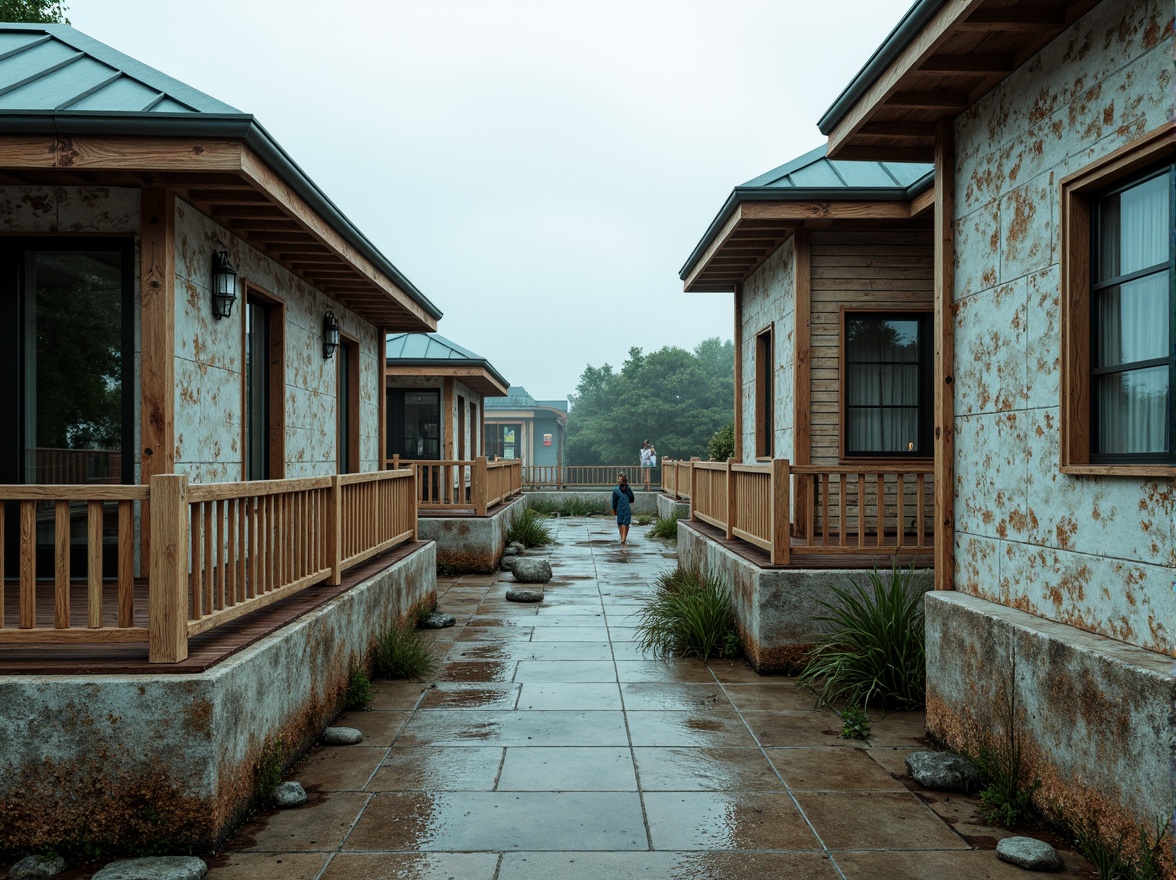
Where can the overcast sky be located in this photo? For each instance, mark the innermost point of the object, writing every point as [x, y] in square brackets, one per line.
[539, 169]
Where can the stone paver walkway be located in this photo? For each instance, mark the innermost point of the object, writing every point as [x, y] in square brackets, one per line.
[549, 747]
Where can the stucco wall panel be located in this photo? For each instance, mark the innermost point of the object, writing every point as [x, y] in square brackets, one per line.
[977, 253]
[990, 342]
[991, 499]
[769, 296]
[80, 209]
[1043, 340]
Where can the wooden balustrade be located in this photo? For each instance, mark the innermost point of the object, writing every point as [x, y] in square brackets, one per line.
[219, 551]
[75, 523]
[585, 476]
[454, 485]
[880, 509]
[675, 478]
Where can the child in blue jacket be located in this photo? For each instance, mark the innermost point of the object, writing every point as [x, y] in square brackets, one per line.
[622, 497]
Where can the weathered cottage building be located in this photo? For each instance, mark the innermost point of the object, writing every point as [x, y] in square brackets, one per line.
[520, 427]
[1051, 128]
[194, 355]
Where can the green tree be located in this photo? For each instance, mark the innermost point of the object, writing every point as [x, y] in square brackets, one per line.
[34, 11]
[672, 397]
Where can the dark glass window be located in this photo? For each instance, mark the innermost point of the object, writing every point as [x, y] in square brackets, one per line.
[887, 384]
[765, 395]
[1131, 316]
[257, 390]
[414, 424]
[343, 405]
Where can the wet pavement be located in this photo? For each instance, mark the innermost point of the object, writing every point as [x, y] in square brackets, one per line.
[548, 746]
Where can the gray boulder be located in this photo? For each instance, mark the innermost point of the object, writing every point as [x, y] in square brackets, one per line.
[37, 867]
[437, 621]
[511, 550]
[342, 736]
[524, 594]
[508, 562]
[943, 771]
[518, 547]
[1028, 853]
[288, 794]
[532, 571]
[158, 868]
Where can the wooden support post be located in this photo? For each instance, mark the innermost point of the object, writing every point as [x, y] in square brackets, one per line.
[781, 539]
[731, 500]
[802, 387]
[335, 532]
[944, 441]
[167, 593]
[738, 416]
[693, 488]
[481, 485]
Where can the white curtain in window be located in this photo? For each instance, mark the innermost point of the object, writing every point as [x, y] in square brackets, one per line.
[882, 386]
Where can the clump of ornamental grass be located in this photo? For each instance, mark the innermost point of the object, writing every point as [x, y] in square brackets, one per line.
[874, 650]
[691, 614]
[666, 528]
[401, 652]
[529, 529]
[359, 689]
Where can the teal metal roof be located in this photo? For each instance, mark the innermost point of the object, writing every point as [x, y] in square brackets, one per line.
[56, 80]
[516, 398]
[814, 177]
[433, 349]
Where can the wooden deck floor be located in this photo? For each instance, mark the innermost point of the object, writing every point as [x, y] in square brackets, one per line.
[867, 559]
[204, 650]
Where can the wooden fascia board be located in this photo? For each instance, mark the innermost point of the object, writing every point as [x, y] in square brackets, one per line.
[929, 40]
[487, 384]
[923, 202]
[719, 240]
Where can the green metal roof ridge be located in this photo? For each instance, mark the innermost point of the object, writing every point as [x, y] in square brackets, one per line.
[752, 191]
[234, 124]
[897, 40]
[467, 356]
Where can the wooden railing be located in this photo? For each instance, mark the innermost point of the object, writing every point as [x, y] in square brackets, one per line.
[219, 551]
[588, 475]
[455, 486]
[816, 509]
[675, 478]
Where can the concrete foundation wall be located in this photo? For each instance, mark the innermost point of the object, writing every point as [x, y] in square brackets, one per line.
[774, 607]
[471, 543]
[1095, 715]
[123, 761]
[644, 502]
[667, 507]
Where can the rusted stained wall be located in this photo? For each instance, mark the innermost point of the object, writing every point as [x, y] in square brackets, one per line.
[1095, 553]
[769, 296]
[209, 362]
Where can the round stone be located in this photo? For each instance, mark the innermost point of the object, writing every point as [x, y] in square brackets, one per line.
[157, 868]
[437, 621]
[518, 547]
[532, 571]
[1029, 853]
[288, 794]
[37, 867]
[943, 771]
[524, 594]
[342, 736]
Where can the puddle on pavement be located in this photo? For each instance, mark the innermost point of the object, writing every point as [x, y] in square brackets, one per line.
[476, 670]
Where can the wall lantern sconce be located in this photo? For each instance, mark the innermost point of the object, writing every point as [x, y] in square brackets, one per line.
[224, 285]
[330, 335]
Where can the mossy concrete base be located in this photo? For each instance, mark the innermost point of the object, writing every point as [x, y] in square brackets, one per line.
[133, 761]
[775, 607]
[471, 543]
[1096, 716]
[668, 507]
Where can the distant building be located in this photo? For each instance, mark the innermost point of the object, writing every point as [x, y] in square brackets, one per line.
[519, 426]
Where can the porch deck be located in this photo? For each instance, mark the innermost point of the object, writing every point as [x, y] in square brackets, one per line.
[204, 650]
[802, 557]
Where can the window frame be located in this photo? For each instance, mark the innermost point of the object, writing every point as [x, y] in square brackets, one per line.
[276, 386]
[347, 435]
[1078, 194]
[765, 393]
[926, 364]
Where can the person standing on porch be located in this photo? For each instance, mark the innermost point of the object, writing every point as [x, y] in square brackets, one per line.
[622, 499]
[646, 457]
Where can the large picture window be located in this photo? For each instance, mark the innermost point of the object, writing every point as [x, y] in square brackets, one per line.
[1131, 306]
[887, 384]
[1116, 307]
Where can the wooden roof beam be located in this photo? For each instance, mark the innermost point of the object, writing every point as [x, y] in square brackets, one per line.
[1015, 19]
[967, 65]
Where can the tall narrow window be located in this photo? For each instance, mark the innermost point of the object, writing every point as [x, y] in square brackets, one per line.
[765, 395]
[887, 384]
[347, 406]
[1131, 305]
[265, 424]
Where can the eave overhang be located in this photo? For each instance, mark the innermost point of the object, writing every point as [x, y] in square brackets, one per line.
[941, 58]
[228, 167]
[755, 221]
[479, 375]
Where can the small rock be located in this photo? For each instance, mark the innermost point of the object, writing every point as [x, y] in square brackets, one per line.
[532, 571]
[524, 594]
[37, 867]
[508, 563]
[512, 550]
[1028, 853]
[157, 868]
[438, 621]
[518, 547]
[342, 736]
[288, 794]
[943, 771]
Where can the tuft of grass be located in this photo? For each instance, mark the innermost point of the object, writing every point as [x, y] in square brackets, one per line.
[875, 648]
[568, 505]
[269, 767]
[1006, 799]
[543, 505]
[666, 528]
[529, 529]
[690, 614]
[644, 519]
[855, 723]
[1111, 859]
[401, 652]
[359, 689]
